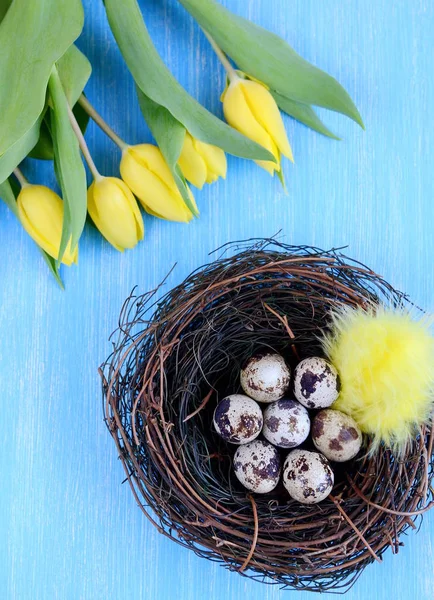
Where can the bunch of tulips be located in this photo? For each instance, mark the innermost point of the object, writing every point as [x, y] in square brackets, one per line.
[191, 143]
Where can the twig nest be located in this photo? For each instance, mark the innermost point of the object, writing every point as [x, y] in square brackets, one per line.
[316, 383]
[336, 435]
[307, 476]
[286, 423]
[173, 356]
[266, 377]
[257, 466]
[238, 419]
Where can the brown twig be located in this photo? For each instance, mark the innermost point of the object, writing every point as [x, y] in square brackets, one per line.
[284, 321]
[389, 511]
[200, 407]
[255, 534]
[355, 528]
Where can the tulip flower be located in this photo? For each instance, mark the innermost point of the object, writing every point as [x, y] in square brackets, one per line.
[115, 212]
[201, 163]
[41, 214]
[249, 107]
[147, 174]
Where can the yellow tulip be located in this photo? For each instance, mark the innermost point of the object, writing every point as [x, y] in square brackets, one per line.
[41, 214]
[249, 107]
[115, 212]
[147, 174]
[201, 163]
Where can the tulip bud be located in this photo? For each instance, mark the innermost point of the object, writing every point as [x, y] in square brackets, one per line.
[249, 107]
[41, 214]
[115, 212]
[201, 163]
[147, 174]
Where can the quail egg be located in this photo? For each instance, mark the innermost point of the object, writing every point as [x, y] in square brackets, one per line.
[257, 466]
[336, 435]
[238, 419]
[286, 423]
[266, 377]
[316, 383]
[307, 476]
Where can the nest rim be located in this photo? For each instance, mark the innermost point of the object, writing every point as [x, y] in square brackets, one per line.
[171, 360]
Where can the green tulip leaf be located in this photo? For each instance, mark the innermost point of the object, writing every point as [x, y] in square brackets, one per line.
[74, 71]
[44, 148]
[68, 164]
[169, 135]
[303, 113]
[4, 7]
[157, 83]
[268, 58]
[8, 196]
[33, 36]
[18, 152]
[53, 265]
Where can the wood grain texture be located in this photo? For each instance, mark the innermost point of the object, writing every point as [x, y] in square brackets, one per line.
[69, 529]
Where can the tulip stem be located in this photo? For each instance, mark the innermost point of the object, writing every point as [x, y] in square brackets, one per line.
[83, 146]
[95, 116]
[21, 179]
[232, 74]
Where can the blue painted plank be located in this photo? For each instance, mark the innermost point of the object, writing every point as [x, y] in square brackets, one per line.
[69, 529]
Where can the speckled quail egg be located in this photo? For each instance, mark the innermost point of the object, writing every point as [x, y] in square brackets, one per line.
[257, 466]
[265, 377]
[286, 423]
[316, 383]
[307, 476]
[336, 435]
[238, 419]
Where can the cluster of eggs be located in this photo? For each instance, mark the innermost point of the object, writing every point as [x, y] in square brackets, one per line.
[286, 423]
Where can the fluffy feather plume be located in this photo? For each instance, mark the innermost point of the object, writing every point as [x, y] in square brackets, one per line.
[385, 359]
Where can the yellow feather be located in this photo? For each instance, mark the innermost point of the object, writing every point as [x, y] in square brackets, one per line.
[385, 361]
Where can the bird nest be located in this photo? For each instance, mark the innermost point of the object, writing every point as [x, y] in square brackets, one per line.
[174, 358]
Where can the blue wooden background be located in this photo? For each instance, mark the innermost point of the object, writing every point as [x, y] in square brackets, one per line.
[69, 530]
